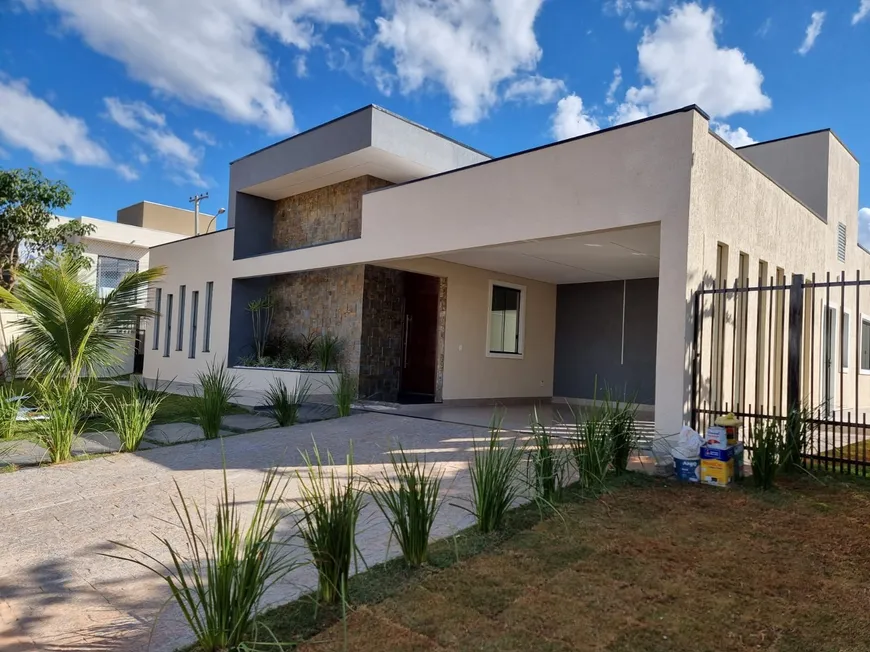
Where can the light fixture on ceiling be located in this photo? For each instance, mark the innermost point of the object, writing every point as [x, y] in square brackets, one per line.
[593, 244]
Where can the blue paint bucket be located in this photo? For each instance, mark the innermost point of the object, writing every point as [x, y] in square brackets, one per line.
[687, 470]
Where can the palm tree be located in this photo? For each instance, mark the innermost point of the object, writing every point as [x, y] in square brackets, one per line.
[67, 328]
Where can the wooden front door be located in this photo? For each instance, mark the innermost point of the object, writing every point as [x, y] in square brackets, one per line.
[420, 346]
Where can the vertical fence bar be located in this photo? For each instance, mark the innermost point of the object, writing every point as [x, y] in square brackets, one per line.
[770, 347]
[813, 345]
[842, 361]
[826, 340]
[864, 445]
[695, 353]
[714, 347]
[734, 347]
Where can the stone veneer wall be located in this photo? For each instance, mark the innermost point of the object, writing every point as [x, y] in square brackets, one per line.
[383, 322]
[320, 301]
[328, 214]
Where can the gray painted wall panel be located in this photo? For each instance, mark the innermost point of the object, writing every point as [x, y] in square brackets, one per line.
[589, 339]
[254, 237]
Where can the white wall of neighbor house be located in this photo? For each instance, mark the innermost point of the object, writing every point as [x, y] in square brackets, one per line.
[193, 263]
[740, 218]
[469, 373]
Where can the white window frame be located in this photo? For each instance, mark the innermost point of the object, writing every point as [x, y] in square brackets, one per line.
[864, 318]
[521, 344]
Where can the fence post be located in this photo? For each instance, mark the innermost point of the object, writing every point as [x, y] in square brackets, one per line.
[795, 339]
[696, 322]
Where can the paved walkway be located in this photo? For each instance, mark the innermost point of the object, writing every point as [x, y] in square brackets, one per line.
[58, 593]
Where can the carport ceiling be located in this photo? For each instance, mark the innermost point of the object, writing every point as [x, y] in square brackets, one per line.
[602, 256]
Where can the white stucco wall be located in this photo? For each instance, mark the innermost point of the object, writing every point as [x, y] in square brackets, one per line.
[732, 203]
[192, 262]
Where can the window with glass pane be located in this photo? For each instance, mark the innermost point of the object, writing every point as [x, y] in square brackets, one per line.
[865, 345]
[111, 270]
[504, 325]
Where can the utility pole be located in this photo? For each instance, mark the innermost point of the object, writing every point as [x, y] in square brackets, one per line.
[195, 201]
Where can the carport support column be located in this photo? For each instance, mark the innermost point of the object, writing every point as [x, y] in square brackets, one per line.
[674, 328]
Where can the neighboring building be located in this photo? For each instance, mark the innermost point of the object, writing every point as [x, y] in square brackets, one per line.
[114, 250]
[159, 217]
[529, 276]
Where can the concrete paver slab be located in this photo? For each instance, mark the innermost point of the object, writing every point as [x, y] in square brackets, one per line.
[59, 519]
[173, 433]
[247, 422]
[92, 443]
[21, 453]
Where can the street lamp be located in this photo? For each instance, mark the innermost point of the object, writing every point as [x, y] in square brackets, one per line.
[211, 221]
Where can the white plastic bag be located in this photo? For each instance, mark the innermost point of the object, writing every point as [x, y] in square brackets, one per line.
[688, 444]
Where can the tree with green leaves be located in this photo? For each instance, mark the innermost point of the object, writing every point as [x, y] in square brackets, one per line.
[28, 202]
[67, 329]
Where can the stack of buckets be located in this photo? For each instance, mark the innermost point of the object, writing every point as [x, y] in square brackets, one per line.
[722, 453]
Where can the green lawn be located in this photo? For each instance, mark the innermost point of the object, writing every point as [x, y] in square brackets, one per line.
[652, 566]
[174, 409]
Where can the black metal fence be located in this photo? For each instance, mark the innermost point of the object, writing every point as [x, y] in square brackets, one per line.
[762, 351]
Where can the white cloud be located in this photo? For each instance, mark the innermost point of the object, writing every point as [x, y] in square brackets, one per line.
[469, 47]
[150, 127]
[864, 227]
[683, 64]
[628, 112]
[126, 172]
[615, 83]
[206, 53]
[627, 10]
[51, 136]
[764, 30]
[862, 13]
[571, 120]
[738, 137]
[31, 123]
[534, 88]
[204, 137]
[301, 65]
[813, 30]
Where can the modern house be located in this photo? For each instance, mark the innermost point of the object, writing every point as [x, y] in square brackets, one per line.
[115, 249]
[454, 276]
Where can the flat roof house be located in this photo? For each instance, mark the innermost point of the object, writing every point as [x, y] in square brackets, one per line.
[455, 277]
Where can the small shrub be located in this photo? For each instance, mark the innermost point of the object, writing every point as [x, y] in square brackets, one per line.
[330, 511]
[217, 388]
[344, 389]
[8, 412]
[129, 416]
[65, 407]
[327, 350]
[409, 501]
[220, 576]
[493, 478]
[620, 420]
[285, 404]
[591, 447]
[151, 393]
[13, 359]
[546, 464]
[302, 348]
[767, 447]
[799, 430]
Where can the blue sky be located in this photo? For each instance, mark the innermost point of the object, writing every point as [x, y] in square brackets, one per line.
[151, 99]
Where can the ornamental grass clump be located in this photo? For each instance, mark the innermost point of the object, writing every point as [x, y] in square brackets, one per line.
[591, 447]
[493, 470]
[220, 575]
[286, 404]
[767, 449]
[217, 389]
[130, 415]
[546, 464]
[330, 508]
[63, 408]
[408, 499]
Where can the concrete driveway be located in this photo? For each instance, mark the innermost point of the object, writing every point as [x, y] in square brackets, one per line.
[58, 593]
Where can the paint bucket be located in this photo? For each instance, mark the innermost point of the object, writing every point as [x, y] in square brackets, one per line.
[687, 470]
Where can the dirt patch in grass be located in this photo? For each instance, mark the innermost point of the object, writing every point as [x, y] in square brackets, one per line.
[654, 567]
